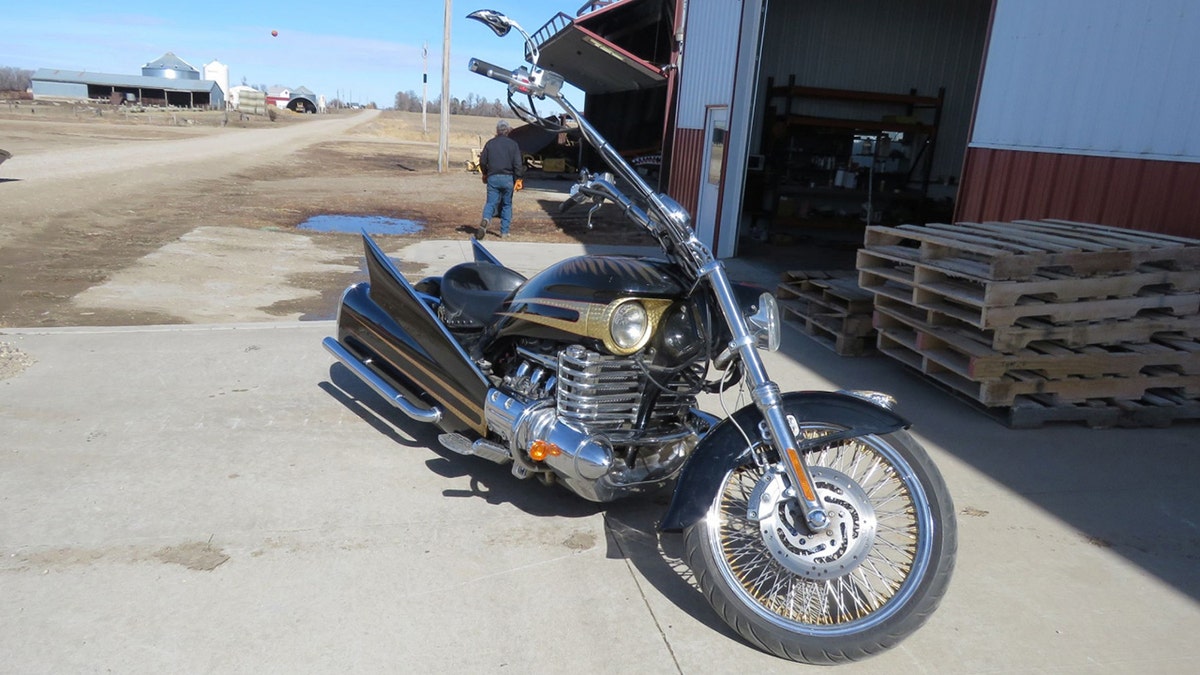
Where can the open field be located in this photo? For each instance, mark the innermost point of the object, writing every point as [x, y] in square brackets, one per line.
[116, 218]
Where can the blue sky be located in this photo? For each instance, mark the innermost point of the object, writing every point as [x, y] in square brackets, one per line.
[364, 51]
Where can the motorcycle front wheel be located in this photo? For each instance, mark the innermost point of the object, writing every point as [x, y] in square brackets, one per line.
[849, 591]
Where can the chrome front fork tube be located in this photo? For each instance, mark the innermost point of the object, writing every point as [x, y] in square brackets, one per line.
[768, 400]
[695, 255]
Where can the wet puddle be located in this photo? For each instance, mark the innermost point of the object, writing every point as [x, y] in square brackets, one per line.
[356, 224]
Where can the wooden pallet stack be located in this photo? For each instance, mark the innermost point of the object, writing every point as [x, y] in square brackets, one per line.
[830, 307]
[1043, 321]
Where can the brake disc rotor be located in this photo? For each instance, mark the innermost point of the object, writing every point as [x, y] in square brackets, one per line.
[836, 549]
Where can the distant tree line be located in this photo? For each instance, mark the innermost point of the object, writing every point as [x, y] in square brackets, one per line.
[339, 103]
[15, 79]
[473, 104]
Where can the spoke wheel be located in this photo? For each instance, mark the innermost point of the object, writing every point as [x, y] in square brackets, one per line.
[844, 592]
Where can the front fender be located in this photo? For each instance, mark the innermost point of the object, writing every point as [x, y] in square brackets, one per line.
[722, 448]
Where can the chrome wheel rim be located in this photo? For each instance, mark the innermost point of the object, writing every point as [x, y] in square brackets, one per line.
[840, 581]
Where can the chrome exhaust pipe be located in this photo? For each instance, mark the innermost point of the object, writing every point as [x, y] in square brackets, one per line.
[579, 459]
[379, 385]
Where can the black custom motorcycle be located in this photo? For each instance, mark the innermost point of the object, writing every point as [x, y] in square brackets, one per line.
[816, 526]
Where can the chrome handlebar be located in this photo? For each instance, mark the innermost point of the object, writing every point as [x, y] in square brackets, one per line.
[663, 216]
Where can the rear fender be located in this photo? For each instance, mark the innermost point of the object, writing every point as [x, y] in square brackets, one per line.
[482, 254]
[390, 324]
[724, 447]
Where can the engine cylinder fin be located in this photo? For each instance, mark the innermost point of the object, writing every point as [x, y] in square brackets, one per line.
[604, 393]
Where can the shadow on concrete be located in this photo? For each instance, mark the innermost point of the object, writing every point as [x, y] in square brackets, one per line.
[630, 524]
[1132, 491]
[631, 530]
[490, 482]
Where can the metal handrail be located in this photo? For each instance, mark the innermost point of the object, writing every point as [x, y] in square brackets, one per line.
[593, 5]
[553, 27]
[560, 21]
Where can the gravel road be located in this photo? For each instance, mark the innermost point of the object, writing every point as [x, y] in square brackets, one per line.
[118, 224]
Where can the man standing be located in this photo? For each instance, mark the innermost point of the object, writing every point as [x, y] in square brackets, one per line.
[502, 169]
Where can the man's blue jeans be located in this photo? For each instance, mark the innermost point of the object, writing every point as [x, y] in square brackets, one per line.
[499, 196]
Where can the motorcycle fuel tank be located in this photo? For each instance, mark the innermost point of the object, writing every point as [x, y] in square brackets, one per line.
[579, 296]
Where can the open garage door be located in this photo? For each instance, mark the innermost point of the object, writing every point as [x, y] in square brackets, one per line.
[862, 114]
[617, 53]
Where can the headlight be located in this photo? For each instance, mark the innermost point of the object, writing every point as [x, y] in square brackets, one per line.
[628, 325]
[765, 323]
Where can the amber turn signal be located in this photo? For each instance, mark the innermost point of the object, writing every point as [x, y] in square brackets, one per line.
[540, 450]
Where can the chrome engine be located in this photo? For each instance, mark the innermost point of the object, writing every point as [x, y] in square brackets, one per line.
[577, 417]
[604, 394]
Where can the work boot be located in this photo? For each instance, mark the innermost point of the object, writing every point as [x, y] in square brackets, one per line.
[482, 231]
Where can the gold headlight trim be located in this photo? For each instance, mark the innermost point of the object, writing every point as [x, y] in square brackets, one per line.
[594, 318]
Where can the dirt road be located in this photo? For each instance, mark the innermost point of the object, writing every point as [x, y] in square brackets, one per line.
[116, 224]
[208, 152]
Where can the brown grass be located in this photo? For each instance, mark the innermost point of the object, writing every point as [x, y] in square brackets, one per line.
[465, 130]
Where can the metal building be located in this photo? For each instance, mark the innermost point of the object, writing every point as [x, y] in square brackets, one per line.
[170, 67]
[813, 91]
[1077, 109]
[927, 110]
[1087, 111]
[49, 83]
[303, 100]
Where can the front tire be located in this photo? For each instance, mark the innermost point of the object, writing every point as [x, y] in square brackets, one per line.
[851, 591]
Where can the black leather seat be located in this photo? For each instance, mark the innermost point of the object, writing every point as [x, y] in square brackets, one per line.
[473, 292]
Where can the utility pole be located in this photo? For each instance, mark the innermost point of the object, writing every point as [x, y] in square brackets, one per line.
[424, 87]
[444, 135]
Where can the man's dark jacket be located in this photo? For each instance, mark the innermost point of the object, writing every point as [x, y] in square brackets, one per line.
[501, 155]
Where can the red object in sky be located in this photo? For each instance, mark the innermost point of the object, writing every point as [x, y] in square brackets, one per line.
[274, 33]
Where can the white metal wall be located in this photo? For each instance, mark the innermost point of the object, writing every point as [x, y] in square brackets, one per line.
[59, 89]
[884, 46]
[707, 76]
[1112, 78]
[709, 55]
[742, 116]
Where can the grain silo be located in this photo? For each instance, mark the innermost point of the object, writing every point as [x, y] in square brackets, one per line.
[170, 67]
[215, 71]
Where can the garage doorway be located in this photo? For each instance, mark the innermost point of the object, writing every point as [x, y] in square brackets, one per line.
[862, 114]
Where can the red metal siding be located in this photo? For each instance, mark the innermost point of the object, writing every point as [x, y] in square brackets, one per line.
[687, 156]
[1147, 195]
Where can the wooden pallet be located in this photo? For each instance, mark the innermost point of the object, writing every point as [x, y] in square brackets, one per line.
[838, 290]
[830, 307]
[1143, 328]
[1043, 321]
[1046, 286]
[830, 330]
[992, 305]
[950, 370]
[1023, 249]
[973, 357]
[1154, 409]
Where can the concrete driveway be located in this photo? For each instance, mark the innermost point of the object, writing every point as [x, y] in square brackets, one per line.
[223, 498]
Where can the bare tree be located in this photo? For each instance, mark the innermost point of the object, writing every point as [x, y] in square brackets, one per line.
[15, 79]
[473, 104]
